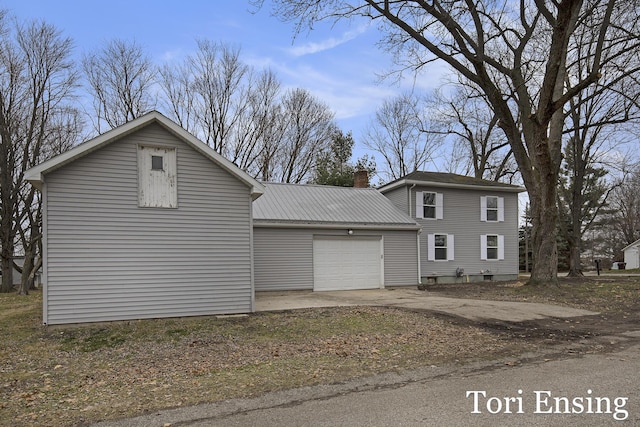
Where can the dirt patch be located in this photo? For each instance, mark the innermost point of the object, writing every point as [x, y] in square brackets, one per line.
[615, 298]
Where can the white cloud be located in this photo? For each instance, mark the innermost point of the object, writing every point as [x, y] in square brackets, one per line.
[330, 43]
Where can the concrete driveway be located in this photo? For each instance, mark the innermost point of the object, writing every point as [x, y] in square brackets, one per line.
[472, 309]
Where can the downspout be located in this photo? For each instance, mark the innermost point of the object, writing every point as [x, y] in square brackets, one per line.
[417, 236]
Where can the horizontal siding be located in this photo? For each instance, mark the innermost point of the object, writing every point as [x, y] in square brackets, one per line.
[461, 217]
[108, 259]
[283, 257]
[398, 197]
[400, 258]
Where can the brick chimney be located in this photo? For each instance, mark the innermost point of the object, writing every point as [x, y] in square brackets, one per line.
[361, 179]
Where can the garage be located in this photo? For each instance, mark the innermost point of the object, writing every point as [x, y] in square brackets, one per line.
[347, 263]
[320, 238]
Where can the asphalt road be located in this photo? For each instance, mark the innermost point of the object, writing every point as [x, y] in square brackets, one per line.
[593, 390]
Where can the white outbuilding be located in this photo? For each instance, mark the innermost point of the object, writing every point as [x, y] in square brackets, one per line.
[632, 255]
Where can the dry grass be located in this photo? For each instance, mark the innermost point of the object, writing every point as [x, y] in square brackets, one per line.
[81, 374]
[74, 375]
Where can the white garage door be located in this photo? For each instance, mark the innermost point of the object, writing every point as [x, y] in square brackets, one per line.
[347, 263]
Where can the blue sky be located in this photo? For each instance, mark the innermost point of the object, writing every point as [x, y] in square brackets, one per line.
[339, 65]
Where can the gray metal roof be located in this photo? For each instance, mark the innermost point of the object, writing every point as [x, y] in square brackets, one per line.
[318, 204]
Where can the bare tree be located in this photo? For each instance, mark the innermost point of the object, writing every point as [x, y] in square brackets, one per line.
[517, 54]
[37, 81]
[218, 83]
[479, 147]
[120, 77]
[258, 127]
[308, 128]
[402, 136]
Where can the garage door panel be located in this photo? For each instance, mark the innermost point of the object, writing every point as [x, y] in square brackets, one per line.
[347, 263]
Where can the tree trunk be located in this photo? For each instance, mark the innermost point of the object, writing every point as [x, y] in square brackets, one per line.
[544, 270]
[544, 210]
[7, 270]
[27, 267]
[575, 266]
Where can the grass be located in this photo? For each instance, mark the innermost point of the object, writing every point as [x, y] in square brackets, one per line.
[53, 376]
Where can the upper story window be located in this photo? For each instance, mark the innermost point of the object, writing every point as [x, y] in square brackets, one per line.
[440, 247]
[429, 205]
[157, 182]
[491, 209]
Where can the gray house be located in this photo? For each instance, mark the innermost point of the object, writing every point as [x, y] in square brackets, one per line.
[469, 225]
[332, 238]
[145, 221]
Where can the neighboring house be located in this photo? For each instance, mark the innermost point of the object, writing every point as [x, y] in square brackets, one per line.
[332, 238]
[145, 221]
[632, 255]
[469, 225]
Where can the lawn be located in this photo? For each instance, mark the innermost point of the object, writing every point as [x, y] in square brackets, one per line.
[80, 374]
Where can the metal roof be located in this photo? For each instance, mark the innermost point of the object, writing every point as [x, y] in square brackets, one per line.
[451, 180]
[296, 204]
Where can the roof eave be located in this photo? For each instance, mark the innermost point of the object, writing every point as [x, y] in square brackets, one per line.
[407, 182]
[332, 225]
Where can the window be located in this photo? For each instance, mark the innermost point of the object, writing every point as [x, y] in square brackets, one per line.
[491, 209]
[491, 247]
[156, 163]
[440, 247]
[157, 183]
[429, 205]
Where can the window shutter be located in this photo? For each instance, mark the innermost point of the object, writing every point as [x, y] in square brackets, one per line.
[419, 205]
[483, 247]
[483, 208]
[439, 207]
[450, 245]
[501, 209]
[500, 246]
[431, 247]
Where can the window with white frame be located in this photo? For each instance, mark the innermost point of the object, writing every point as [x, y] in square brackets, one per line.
[440, 247]
[492, 247]
[157, 186]
[491, 209]
[429, 205]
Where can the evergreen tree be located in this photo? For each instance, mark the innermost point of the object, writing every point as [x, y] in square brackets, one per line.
[333, 167]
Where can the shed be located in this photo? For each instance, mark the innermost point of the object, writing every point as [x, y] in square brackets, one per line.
[332, 238]
[145, 221]
[632, 255]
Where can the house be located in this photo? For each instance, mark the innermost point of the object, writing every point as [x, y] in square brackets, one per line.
[331, 238]
[145, 221]
[469, 225]
[632, 255]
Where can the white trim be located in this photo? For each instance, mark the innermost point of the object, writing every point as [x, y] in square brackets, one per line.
[45, 256]
[402, 182]
[484, 247]
[431, 247]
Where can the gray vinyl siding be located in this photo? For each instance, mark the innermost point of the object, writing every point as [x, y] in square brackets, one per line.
[461, 217]
[283, 257]
[399, 198]
[108, 259]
